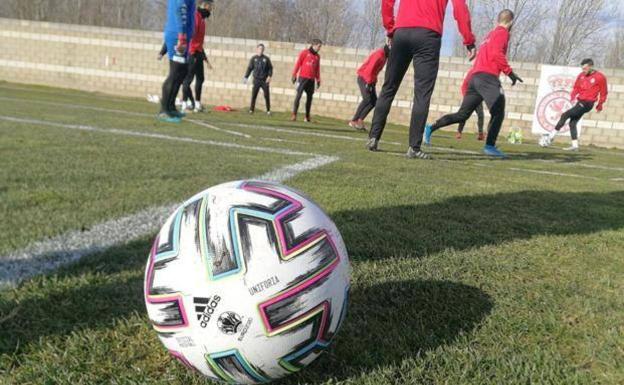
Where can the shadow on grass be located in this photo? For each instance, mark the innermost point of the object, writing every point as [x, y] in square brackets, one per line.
[88, 295]
[473, 221]
[393, 321]
[387, 322]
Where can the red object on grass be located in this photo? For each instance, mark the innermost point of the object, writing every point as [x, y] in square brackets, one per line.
[224, 109]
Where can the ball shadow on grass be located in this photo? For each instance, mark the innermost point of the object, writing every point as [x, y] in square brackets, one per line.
[393, 321]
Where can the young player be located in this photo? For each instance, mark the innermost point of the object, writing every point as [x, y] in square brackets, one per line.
[482, 84]
[262, 68]
[480, 123]
[307, 76]
[178, 30]
[197, 59]
[590, 87]
[367, 81]
[416, 35]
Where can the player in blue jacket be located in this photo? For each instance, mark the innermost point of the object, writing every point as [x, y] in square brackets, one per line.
[178, 33]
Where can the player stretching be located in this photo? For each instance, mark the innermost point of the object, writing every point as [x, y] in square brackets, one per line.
[416, 38]
[262, 68]
[483, 83]
[307, 71]
[178, 29]
[367, 81]
[197, 59]
[590, 87]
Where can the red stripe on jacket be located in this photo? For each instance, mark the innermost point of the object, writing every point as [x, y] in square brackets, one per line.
[588, 87]
[427, 14]
[308, 65]
[197, 42]
[370, 69]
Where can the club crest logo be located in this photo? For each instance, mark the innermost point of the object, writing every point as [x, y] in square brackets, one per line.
[229, 322]
[556, 102]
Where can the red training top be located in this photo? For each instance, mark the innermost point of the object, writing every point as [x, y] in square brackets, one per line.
[587, 88]
[491, 57]
[197, 42]
[308, 65]
[427, 14]
[369, 71]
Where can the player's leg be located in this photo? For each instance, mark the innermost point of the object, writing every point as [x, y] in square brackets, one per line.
[254, 95]
[574, 119]
[400, 57]
[480, 121]
[426, 65]
[309, 90]
[576, 111]
[266, 91]
[471, 101]
[199, 82]
[490, 88]
[300, 89]
[372, 103]
[187, 93]
[366, 100]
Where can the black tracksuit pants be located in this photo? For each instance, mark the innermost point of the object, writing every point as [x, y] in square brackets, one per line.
[195, 71]
[307, 86]
[369, 99]
[574, 114]
[171, 86]
[480, 120]
[483, 87]
[421, 47]
[260, 84]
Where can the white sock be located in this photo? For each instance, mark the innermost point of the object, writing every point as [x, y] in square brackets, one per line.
[575, 143]
[552, 135]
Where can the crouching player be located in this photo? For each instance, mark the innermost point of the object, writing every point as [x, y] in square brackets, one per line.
[590, 87]
[367, 81]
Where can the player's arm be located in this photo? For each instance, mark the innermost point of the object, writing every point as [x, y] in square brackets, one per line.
[604, 92]
[269, 70]
[318, 75]
[387, 15]
[249, 68]
[500, 42]
[576, 89]
[163, 51]
[462, 17]
[182, 14]
[298, 65]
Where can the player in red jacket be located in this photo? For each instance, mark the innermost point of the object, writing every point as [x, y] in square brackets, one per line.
[307, 76]
[483, 84]
[367, 81]
[416, 35]
[590, 87]
[197, 57]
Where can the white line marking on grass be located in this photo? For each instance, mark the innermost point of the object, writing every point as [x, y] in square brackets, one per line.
[123, 112]
[117, 131]
[51, 254]
[553, 173]
[204, 124]
[585, 165]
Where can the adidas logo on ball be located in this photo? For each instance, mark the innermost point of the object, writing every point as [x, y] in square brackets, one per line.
[205, 308]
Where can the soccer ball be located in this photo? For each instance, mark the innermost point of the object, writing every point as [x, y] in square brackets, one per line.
[247, 282]
[545, 141]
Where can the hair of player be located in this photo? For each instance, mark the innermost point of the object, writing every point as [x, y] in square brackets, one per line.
[316, 42]
[587, 62]
[506, 16]
[260, 45]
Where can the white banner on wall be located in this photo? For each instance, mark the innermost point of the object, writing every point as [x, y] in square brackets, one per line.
[553, 98]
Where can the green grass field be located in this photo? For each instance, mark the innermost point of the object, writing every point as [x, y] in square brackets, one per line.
[465, 270]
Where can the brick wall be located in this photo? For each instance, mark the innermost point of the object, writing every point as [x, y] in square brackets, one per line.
[123, 62]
